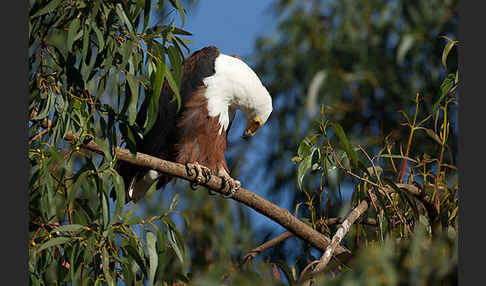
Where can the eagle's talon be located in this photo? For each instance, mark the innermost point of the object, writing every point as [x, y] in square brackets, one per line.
[203, 174]
[230, 188]
[237, 185]
[234, 186]
[188, 169]
[207, 174]
[223, 184]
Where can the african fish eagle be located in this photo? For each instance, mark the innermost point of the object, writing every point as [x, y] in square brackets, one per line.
[213, 87]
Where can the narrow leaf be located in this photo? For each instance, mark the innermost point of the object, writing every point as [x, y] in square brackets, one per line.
[123, 17]
[73, 31]
[445, 88]
[146, 14]
[177, 4]
[432, 135]
[302, 170]
[132, 107]
[173, 85]
[86, 32]
[446, 52]
[153, 107]
[138, 258]
[106, 268]
[120, 196]
[99, 36]
[153, 258]
[47, 9]
[398, 157]
[175, 245]
[287, 271]
[348, 148]
[105, 209]
[54, 242]
[68, 227]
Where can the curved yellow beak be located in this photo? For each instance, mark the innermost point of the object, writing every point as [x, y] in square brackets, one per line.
[252, 126]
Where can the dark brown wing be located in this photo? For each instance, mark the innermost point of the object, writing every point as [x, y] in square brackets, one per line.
[161, 140]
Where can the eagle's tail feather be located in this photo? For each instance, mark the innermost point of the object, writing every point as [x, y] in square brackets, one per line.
[138, 188]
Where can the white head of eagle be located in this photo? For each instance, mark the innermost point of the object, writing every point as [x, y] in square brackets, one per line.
[213, 87]
[234, 85]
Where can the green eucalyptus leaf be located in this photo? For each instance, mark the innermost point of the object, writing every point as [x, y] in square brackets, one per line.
[132, 107]
[304, 165]
[432, 135]
[86, 32]
[53, 242]
[47, 8]
[99, 36]
[105, 209]
[175, 244]
[105, 146]
[445, 88]
[132, 251]
[176, 64]
[123, 17]
[153, 106]
[73, 31]
[177, 4]
[348, 148]
[153, 258]
[68, 228]
[445, 53]
[173, 85]
[106, 268]
[306, 145]
[120, 196]
[146, 14]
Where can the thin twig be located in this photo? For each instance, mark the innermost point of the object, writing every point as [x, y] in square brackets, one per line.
[267, 245]
[38, 135]
[338, 237]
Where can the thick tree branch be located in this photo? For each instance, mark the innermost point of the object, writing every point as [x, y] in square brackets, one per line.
[268, 209]
[280, 215]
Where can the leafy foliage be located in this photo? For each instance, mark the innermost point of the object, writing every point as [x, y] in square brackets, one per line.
[363, 61]
[91, 63]
[414, 199]
[419, 261]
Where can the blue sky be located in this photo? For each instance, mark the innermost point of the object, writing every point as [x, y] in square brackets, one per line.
[232, 26]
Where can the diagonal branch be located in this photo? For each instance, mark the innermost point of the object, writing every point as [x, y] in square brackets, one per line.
[280, 215]
[261, 205]
[338, 237]
[267, 245]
